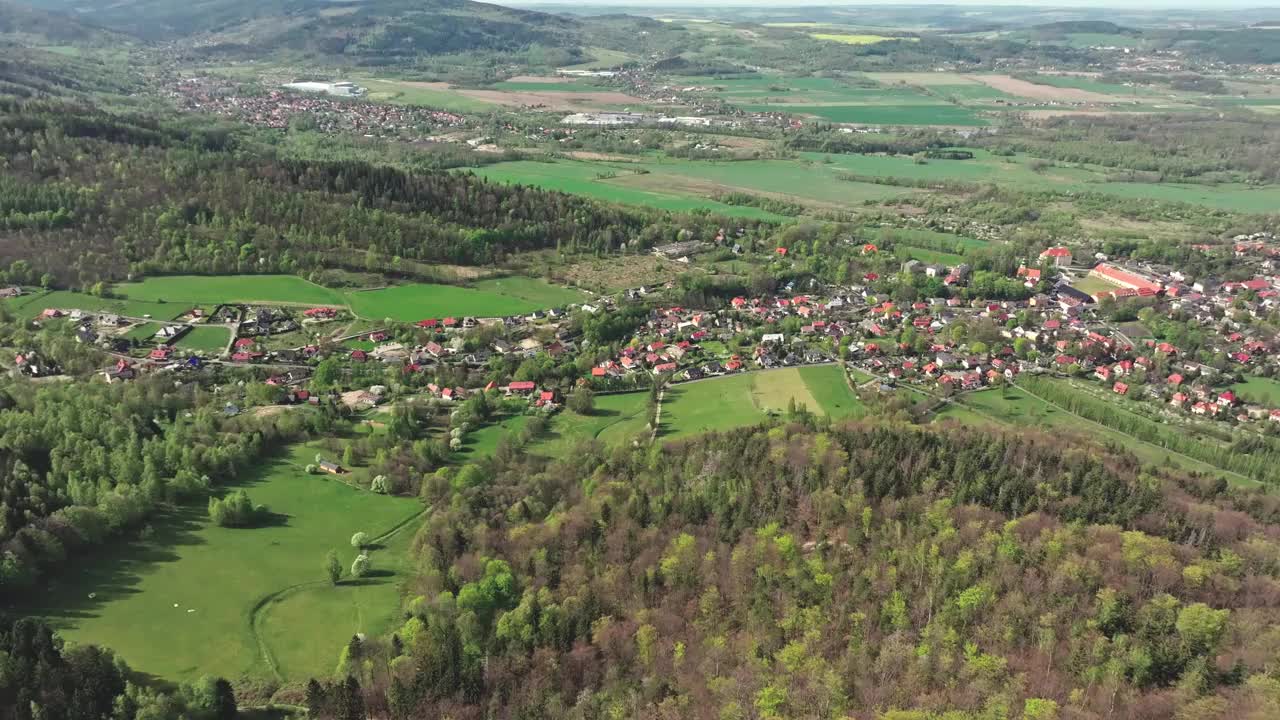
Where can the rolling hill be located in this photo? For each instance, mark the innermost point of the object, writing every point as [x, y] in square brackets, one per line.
[372, 32]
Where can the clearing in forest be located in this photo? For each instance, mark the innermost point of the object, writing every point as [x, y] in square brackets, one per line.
[224, 600]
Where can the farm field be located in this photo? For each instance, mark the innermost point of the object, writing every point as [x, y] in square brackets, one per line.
[582, 178]
[214, 289]
[207, 590]
[30, 306]
[531, 290]
[1016, 407]
[929, 256]
[798, 182]
[940, 114]
[493, 298]
[406, 92]
[1263, 391]
[206, 339]
[1017, 171]
[852, 39]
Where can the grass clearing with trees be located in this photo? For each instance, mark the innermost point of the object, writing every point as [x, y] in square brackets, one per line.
[205, 589]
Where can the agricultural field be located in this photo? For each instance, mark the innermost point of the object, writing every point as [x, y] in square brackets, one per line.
[584, 178]
[489, 298]
[1263, 391]
[940, 114]
[907, 252]
[684, 185]
[208, 339]
[226, 599]
[852, 38]
[214, 289]
[432, 95]
[30, 306]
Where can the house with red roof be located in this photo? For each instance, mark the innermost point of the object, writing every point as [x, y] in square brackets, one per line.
[1059, 256]
[1227, 399]
[521, 386]
[1174, 380]
[1120, 388]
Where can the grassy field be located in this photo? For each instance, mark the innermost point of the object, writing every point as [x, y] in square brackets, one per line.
[213, 289]
[213, 593]
[143, 331]
[30, 306]
[206, 339]
[531, 290]
[1093, 285]
[408, 93]
[490, 298]
[940, 114]
[928, 256]
[1263, 391]
[583, 178]
[851, 39]
[828, 386]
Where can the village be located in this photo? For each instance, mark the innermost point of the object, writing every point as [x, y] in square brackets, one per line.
[937, 348]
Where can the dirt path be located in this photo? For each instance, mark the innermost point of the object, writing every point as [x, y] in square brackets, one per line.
[1035, 91]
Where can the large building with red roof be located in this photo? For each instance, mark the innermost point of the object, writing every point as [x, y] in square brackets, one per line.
[1128, 283]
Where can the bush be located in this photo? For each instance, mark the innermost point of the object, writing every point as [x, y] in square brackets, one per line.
[359, 539]
[236, 510]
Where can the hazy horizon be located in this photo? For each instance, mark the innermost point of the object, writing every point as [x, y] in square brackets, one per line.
[1091, 4]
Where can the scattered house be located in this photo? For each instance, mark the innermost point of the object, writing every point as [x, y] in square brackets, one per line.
[523, 387]
[332, 468]
[1120, 388]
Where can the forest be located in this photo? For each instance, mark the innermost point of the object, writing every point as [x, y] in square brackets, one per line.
[92, 196]
[804, 570]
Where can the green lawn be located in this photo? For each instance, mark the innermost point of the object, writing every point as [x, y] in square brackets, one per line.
[143, 331]
[205, 339]
[1263, 391]
[1093, 285]
[828, 385]
[206, 590]
[617, 418]
[490, 298]
[213, 289]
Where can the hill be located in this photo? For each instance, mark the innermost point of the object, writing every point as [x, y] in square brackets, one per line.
[1084, 26]
[34, 26]
[376, 32]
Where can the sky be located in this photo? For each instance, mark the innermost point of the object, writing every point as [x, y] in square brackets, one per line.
[1126, 4]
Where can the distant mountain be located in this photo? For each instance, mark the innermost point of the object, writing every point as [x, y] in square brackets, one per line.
[364, 30]
[1097, 27]
[33, 26]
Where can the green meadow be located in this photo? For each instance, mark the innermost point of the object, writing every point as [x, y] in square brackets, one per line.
[214, 289]
[491, 298]
[30, 306]
[209, 339]
[242, 601]
[940, 114]
[1263, 391]
[596, 180]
